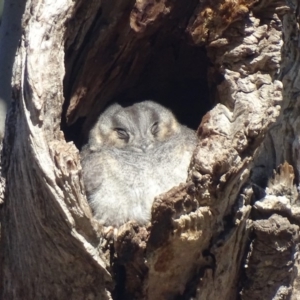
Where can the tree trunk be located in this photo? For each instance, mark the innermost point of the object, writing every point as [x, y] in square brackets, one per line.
[230, 231]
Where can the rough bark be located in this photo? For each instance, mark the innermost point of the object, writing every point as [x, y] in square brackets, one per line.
[230, 231]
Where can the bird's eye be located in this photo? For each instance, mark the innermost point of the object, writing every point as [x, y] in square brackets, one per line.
[154, 128]
[122, 133]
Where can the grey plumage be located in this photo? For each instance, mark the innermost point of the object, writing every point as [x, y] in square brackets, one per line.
[134, 153]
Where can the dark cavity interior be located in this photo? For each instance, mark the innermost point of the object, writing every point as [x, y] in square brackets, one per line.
[172, 72]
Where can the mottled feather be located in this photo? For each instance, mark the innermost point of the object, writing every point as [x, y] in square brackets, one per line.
[134, 153]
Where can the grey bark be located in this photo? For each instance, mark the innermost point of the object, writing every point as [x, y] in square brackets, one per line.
[232, 230]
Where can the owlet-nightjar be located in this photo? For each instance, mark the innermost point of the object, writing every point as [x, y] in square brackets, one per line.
[134, 153]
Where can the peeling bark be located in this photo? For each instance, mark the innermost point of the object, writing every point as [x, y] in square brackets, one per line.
[231, 230]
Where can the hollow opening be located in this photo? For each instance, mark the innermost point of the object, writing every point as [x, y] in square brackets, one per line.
[163, 67]
[174, 74]
[176, 78]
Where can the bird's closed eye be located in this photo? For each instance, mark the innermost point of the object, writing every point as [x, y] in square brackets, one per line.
[122, 133]
[154, 128]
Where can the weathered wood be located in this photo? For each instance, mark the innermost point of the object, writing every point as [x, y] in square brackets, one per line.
[232, 229]
[49, 243]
